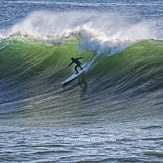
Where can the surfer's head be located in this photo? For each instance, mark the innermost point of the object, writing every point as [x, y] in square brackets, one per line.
[72, 58]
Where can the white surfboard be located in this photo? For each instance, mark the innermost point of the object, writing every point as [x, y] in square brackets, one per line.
[74, 75]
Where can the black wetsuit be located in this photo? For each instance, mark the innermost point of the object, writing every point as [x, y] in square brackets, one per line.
[77, 62]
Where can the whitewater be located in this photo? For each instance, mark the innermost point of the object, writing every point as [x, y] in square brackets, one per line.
[112, 112]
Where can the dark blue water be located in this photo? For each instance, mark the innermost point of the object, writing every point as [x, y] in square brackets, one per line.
[115, 115]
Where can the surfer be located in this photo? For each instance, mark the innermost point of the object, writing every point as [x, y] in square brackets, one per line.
[77, 62]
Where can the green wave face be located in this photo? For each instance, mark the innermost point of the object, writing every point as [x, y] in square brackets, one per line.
[32, 72]
[28, 58]
[34, 68]
[22, 60]
[137, 68]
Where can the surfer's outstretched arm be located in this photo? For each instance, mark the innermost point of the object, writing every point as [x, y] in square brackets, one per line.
[70, 64]
[80, 57]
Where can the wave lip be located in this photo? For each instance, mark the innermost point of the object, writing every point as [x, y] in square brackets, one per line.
[114, 28]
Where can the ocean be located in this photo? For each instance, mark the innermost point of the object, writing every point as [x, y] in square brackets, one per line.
[113, 112]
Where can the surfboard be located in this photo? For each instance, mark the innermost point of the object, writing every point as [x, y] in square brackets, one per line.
[74, 75]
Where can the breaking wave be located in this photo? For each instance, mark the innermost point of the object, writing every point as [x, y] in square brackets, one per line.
[34, 62]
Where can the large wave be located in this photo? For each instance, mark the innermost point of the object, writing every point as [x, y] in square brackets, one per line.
[126, 58]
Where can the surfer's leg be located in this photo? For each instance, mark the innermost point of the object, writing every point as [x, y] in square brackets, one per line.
[76, 69]
[80, 67]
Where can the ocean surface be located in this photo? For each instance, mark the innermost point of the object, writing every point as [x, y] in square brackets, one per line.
[113, 112]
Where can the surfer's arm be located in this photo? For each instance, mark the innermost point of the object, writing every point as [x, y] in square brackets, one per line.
[70, 64]
[80, 57]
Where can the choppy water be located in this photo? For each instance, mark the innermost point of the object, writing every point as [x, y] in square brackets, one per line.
[113, 113]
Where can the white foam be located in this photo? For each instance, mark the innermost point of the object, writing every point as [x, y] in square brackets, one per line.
[103, 32]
